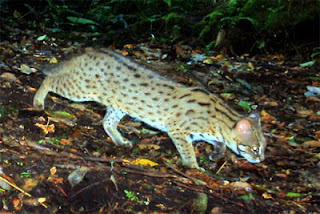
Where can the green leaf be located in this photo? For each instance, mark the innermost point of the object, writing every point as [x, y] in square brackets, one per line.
[315, 54]
[148, 131]
[244, 83]
[293, 194]
[40, 38]
[303, 139]
[168, 2]
[306, 64]
[244, 104]
[225, 94]
[313, 78]
[204, 159]
[80, 20]
[291, 139]
[246, 197]
[62, 114]
[25, 175]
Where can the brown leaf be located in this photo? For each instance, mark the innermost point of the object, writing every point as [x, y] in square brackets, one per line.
[317, 135]
[281, 195]
[143, 146]
[281, 175]
[311, 143]
[245, 165]
[8, 77]
[46, 128]
[180, 52]
[305, 112]
[267, 196]
[267, 118]
[216, 210]
[65, 142]
[240, 186]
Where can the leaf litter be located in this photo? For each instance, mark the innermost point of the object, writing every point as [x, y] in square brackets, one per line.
[77, 168]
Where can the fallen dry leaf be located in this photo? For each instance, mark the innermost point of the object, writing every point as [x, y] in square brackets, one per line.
[145, 145]
[311, 143]
[267, 118]
[65, 142]
[305, 112]
[267, 196]
[281, 175]
[8, 77]
[144, 162]
[29, 184]
[240, 186]
[46, 128]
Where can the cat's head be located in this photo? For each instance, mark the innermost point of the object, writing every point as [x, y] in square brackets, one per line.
[249, 140]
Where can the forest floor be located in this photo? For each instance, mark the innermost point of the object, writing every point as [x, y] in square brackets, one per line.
[61, 160]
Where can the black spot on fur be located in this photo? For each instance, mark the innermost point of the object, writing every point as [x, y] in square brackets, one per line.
[131, 68]
[168, 86]
[190, 112]
[204, 104]
[200, 90]
[186, 95]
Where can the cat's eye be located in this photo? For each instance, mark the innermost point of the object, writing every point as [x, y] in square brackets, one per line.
[255, 149]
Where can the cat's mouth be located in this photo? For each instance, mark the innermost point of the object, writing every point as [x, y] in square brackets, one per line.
[252, 158]
[252, 155]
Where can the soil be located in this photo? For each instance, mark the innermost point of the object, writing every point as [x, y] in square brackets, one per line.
[75, 167]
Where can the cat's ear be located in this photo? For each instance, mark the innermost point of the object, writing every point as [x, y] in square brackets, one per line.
[243, 129]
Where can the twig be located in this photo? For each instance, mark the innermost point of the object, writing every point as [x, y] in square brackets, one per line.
[185, 175]
[149, 173]
[221, 167]
[15, 186]
[208, 192]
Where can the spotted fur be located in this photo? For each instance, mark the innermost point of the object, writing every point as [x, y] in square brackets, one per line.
[125, 87]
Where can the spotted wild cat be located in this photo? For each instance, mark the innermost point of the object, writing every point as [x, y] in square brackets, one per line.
[187, 114]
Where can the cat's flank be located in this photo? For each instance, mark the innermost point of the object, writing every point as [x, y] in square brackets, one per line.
[187, 114]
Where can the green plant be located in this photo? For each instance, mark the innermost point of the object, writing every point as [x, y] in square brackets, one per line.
[25, 175]
[54, 141]
[183, 68]
[265, 20]
[132, 197]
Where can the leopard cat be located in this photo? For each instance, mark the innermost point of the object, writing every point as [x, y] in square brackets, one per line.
[187, 114]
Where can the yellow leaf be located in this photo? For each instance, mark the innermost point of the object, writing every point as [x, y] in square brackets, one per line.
[42, 127]
[264, 113]
[53, 170]
[250, 65]
[46, 128]
[53, 60]
[144, 162]
[208, 61]
[267, 196]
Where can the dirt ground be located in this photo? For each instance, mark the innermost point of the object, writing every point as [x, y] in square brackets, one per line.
[75, 168]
